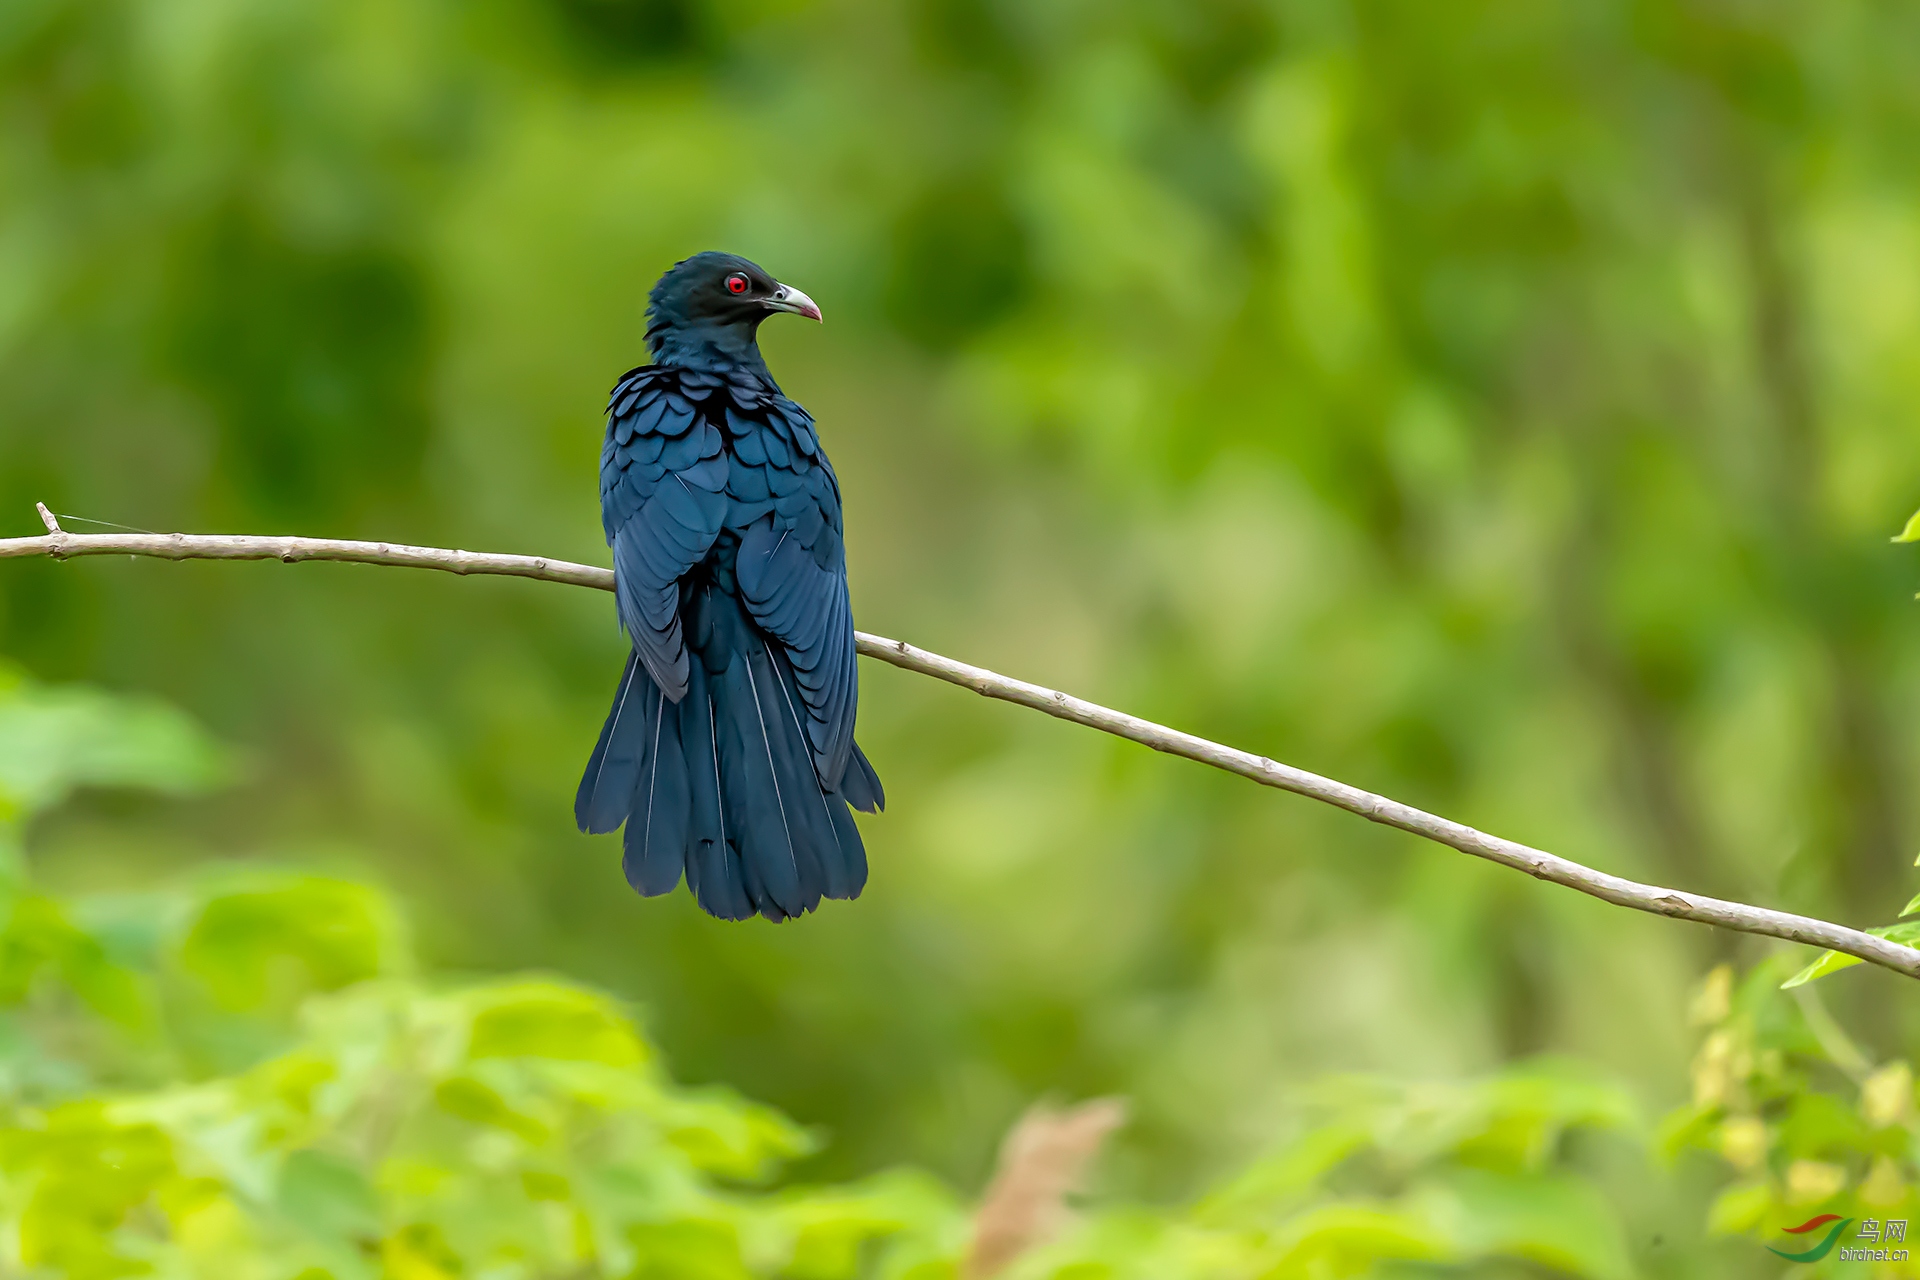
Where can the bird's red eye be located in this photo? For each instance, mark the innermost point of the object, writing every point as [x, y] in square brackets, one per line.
[736, 283]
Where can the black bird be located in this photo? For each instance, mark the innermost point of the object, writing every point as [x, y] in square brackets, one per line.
[729, 751]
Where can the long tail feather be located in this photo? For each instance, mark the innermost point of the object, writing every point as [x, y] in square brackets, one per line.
[655, 843]
[713, 872]
[815, 845]
[759, 803]
[723, 786]
[842, 857]
[861, 785]
[600, 805]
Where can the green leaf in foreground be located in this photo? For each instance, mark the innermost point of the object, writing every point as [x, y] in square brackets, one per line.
[53, 741]
[260, 939]
[1912, 532]
[246, 1074]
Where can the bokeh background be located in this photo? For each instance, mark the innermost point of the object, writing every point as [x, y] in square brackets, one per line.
[1504, 406]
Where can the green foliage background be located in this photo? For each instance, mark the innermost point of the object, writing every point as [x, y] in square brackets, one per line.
[1503, 406]
[244, 1072]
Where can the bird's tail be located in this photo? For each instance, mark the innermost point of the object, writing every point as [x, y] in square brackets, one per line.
[722, 787]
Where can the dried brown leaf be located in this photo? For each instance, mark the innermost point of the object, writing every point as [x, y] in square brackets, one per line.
[1041, 1162]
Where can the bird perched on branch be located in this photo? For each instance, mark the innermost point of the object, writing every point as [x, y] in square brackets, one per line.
[729, 751]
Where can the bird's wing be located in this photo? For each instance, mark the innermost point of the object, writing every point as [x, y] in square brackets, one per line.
[792, 566]
[663, 477]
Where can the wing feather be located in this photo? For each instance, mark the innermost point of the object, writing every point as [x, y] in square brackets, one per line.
[806, 608]
[663, 502]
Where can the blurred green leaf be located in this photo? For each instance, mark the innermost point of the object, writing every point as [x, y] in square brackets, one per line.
[1280, 1178]
[477, 1103]
[1912, 532]
[40, 941]
[264, 941]
[55, 740]
[1740, 1208]
[1531, 1106]
[1685, 1128]
[83, 1175]
[540, 1019]
[1349, 1239]
[1818, 1126]
[722, 1134]
[832, 1226]
[328, 1197]
[1556, 1221]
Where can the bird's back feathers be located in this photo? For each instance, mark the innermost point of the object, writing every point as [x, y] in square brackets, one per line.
[729, 749]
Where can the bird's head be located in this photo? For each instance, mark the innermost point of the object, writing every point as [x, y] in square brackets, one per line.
[713, 303]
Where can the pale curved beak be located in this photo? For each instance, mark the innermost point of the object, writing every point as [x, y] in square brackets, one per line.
[788, 298]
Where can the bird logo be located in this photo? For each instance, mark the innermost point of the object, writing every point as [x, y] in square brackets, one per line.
[1825, 1246]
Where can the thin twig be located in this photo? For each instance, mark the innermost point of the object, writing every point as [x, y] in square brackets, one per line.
[1535, 862]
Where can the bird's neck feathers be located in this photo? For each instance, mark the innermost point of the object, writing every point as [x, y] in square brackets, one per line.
[713, 348]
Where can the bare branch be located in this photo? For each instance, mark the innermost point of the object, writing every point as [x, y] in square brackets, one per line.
[184, 546]
[1535, 862]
